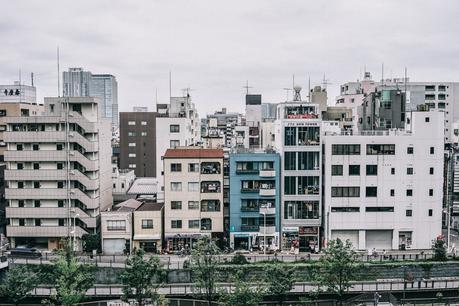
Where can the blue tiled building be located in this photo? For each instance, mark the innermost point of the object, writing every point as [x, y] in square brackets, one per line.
[254, 200]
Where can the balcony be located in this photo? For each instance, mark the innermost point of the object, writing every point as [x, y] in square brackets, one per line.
[249, 228]
[247, 171]
[269, 230]
[267, 173]
[268, 210]
[49, 212]
[267, 192]
[41, 231]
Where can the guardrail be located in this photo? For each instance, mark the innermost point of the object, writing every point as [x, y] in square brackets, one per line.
[357, 287]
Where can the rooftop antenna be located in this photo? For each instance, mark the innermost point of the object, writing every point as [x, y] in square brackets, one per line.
[382, 74]
[287, 90]
[170, 86]
[58, 75]
[247, 87]
[293, 82]
[156, 99]
[309, 88]
[20, 85]
[31, 78]
[297, 93]
[325, 82]
[186, 92]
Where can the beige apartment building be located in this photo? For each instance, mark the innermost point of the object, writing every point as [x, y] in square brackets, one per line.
[148, 227]
[193, 192]
[58, 174]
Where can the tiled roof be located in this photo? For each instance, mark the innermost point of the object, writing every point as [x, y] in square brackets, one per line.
[150, 206]
[128, 205]
[193, 153]
[144, 185]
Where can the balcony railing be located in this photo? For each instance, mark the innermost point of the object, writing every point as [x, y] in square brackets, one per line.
[249, 227]
[267, 173]
[267, 192]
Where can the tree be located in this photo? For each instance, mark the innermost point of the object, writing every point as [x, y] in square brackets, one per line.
[142, 278]
[440, 250]
[17, 283]
[204, 263]
[337, 267]
[244, 294]
[280, 280]
[72, 279]
[91, 242]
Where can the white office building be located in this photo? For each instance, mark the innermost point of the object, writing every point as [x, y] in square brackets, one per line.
[384, 189]
[51, 164]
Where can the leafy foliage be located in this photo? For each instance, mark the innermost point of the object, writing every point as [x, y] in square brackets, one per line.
[244, 294]
[337, 267]
[72, 278]
[440, 250]
[239, 259]
[142, 278]
[204, 270]
[91, 242]
[18, 282]
[280, 280]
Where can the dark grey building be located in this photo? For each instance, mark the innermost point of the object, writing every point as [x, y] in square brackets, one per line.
[138, 142]
[383, 109]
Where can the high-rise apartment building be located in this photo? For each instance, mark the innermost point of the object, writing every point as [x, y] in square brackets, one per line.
[18, 93]
[384, 189]
[58, 173]
[80, 83]
[138, 143]
[255, 201]
[193, 196]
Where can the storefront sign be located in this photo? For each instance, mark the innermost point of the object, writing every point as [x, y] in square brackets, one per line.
[290, 229]
[305, 230]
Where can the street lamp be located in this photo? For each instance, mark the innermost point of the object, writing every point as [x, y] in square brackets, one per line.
[264, 211]
[74, 231]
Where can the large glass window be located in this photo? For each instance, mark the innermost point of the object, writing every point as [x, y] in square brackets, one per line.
[372, 169]
[301, 210]
[354, 169]
[289, 185]
[206, 224]
[308, 185]
[210, 187]
[371, 192]
[308, 160]
[290, 160]
[210, 205]
[380, 149]
[308, 135]
[337, 170]
[116, 225]
[345, 192]
[345, 149]
[210, 168]
[290, 136]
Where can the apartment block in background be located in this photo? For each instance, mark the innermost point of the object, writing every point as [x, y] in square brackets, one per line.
[193, 193]
[255, 200]
[138, 143]
[384, 189]
[43, 174]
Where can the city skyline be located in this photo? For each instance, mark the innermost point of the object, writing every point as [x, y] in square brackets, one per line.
[264, 44]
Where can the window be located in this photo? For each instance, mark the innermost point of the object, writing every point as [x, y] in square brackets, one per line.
[174, 128]
[441, 88]
[193, 223]
[210, 205]
[337, 170]
[59, 185]
[432, 150]
[379, 209]
[206, 224]
[409, 213]
[409, 150]
[60, 166]
[409, 192]
[392, 171]
[345, 192]
[431, 170]
[192, 205]
[392, 192]
[131, 122]
[143, 123]
[116, 225]
[345, 209]
[372, 169]
[290, 136]
[147, 223]
[60, 203]
[20, 166]
[132, 144]
[371, 192]
[132, 166]
[289, 185]
[409, 171]
[174, 143]
[143, 133]
[380, 149]
[430, 192]
[20, 185]
[354, 169]
[59, 147]
[61, 222]
[427, 119]
[176, 204]
[345, 149]
[290, 161]
[132, 134]
[19, 147]
[176, 223]
[36, 166]
[176, 167]
[132, 155]
[176, 186]
[36, 203]
[35, 147]
[193, 167]
[430, 213]
[193, 186]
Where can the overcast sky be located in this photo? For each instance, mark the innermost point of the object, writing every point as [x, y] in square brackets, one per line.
[215, 46]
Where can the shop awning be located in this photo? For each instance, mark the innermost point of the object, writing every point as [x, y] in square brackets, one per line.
[147, 237]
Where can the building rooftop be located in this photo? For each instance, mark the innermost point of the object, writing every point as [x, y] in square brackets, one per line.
[144, 185]
[150, 206]
[193, 153]
[128, 205]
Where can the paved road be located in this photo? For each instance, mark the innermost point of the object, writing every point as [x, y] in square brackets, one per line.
[373, 286]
